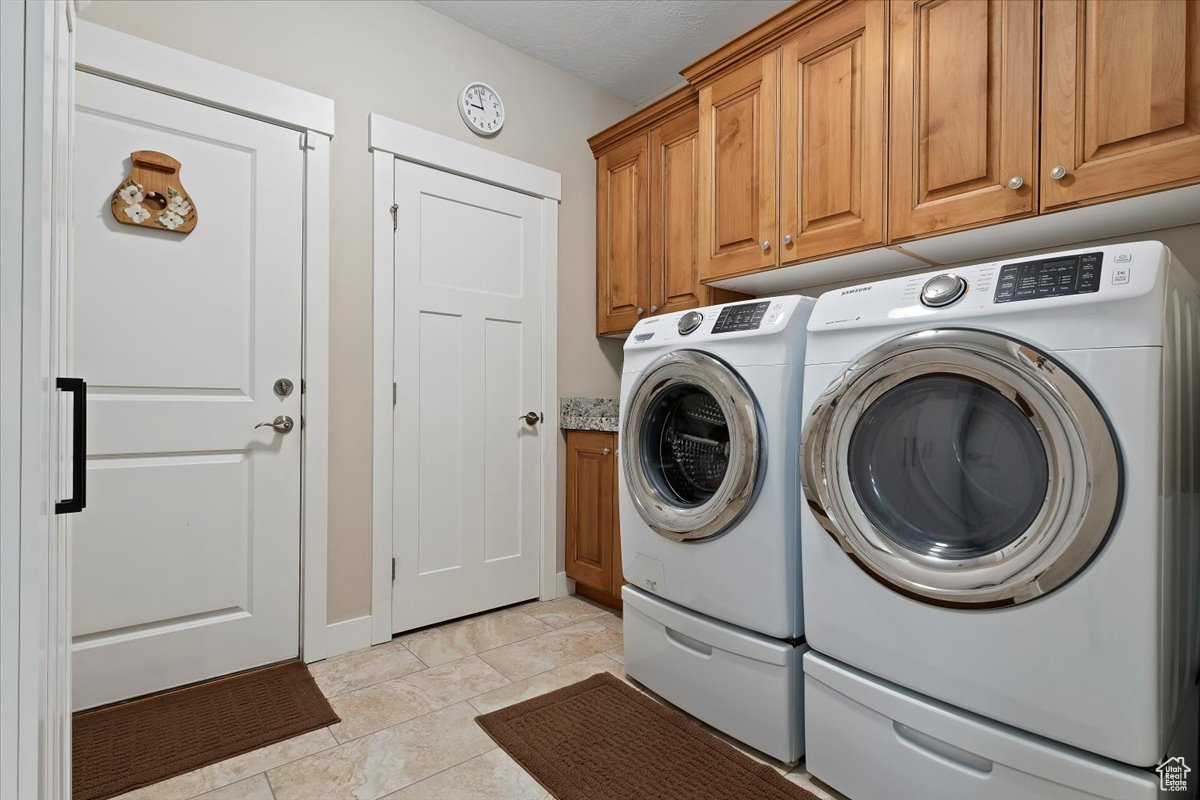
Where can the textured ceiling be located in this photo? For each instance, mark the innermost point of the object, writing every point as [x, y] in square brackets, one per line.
[632, 48]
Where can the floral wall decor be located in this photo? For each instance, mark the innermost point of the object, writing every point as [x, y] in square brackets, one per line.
[153, 196]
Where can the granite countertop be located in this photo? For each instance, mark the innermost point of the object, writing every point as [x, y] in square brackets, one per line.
[588, 414]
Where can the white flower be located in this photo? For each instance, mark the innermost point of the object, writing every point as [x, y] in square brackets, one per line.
[179, 204]
[169, 220]
[132, 195]
[137, 212]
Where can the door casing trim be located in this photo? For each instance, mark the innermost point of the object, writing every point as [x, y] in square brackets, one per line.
[119, 56]
[390, 140]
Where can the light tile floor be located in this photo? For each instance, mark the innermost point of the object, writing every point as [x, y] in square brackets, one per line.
[408, 711]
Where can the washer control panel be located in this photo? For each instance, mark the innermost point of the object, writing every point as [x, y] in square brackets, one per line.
[741, 317]
[1049, 277]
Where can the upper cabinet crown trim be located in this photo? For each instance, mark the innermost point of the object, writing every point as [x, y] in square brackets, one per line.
[753, 43]
[112, 54]
[643, 120]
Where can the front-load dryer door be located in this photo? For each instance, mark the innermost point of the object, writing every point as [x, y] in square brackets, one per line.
[962, 468]
[691, 446]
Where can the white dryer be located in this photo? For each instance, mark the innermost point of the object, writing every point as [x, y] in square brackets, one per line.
[1002, 474]
[709, 452]
[710, 518]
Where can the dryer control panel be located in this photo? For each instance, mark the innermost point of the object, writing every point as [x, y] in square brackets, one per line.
[1049, 277]
[741, 317]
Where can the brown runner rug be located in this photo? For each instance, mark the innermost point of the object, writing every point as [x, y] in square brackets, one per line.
[129, 745]
[601, 738]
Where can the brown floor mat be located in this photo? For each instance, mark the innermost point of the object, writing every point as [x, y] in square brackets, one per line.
[603, 738]
[125, 746]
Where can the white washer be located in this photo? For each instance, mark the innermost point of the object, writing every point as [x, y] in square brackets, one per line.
[710, 435]
[710, 519]
[1002, 469]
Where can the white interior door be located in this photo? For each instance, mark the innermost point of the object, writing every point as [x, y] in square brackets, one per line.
[186, 560]
[468, 346]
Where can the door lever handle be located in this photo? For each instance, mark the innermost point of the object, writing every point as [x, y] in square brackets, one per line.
[281, 424]
[531, 419]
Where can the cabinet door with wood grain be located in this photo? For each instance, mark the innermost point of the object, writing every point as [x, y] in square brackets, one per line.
[674, 264]
[832, 122]
[591, 492]
[1120, 98]
[738, 160]
[622, 236]
[963, 139]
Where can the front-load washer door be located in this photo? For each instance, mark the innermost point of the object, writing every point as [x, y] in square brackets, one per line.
[962, 468]
[691, 446]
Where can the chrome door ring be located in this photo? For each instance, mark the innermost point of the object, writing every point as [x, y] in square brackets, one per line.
[747, 449]
[1083, 491]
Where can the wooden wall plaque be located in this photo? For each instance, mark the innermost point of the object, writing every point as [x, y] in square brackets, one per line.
[153, 196]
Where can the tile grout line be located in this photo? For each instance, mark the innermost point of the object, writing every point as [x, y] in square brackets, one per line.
[466, 700]
[511, 682]
[447, 769]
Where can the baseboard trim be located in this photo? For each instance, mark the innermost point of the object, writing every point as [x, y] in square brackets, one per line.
[562, 585]
[349, 634]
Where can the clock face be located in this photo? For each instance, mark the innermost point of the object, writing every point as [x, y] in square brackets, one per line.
[481, 109]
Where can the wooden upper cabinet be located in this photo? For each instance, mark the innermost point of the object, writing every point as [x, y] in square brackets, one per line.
[964, 88]
[738, 160]
[1120, 98]
[832, 125]
[674, 265]
[622, 240]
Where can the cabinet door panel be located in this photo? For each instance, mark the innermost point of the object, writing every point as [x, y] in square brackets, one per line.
[738, 170]
[963, 113]
[674, 264]
[832, 129]
[622, 236]
[1120, 98]
[589, 523]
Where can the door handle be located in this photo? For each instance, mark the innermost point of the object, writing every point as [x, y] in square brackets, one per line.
[78, 500]
[531, 419]
[281, 424]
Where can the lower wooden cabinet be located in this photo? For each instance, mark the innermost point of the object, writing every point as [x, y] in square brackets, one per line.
[593, 546]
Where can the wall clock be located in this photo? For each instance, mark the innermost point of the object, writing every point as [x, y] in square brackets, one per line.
[481, 108]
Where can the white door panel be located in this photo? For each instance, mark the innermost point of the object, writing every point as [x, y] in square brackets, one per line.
[468, 345]
[186, 561]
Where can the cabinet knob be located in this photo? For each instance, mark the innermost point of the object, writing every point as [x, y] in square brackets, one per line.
[1058, 172]
[605, 451]
[640, 311]
[653, 308]
[1016, 182]
[787, 238]
[766, 245]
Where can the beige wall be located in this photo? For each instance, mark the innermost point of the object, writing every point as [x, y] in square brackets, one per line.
[404, 61]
